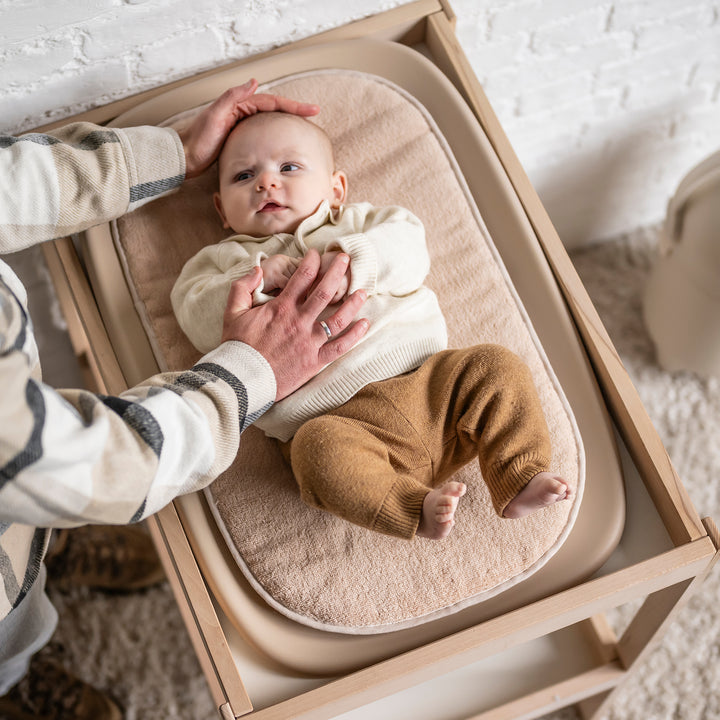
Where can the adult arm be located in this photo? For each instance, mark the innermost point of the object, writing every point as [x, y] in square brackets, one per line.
[71, 457]
[81, 175]
[64, 181]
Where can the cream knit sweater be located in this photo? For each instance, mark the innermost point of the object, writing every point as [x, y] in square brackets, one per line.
[388, 259]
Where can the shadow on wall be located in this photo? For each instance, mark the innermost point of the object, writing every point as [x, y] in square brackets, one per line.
[611, 186]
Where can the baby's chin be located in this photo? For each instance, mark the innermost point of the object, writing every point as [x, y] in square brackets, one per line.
[274, 225]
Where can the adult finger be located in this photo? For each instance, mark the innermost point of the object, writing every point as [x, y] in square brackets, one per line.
[346, 313]
[338, 346]
[240, 101]
[324, 291]
[271, 103]
[239, 300]
[232, 98]
[302, 279]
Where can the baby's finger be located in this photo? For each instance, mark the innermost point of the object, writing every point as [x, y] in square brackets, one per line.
[291, 267]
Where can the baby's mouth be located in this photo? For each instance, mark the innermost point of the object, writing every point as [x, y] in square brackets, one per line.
[271, 206]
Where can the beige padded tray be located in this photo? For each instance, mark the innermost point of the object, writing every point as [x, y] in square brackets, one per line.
[601, 517]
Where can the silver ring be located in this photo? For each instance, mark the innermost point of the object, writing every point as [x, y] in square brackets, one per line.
[325, 327]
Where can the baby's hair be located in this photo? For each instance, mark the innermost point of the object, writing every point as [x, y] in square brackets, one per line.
[324, 137]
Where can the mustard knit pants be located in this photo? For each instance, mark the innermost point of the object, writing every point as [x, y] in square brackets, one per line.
[373, 460]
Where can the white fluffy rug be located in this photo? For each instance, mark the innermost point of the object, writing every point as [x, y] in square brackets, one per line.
[136, 647]
[680, 679]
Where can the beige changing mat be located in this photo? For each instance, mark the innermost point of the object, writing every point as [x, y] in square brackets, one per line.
[308, 565]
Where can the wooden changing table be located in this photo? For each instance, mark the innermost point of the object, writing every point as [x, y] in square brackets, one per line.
[521, 664]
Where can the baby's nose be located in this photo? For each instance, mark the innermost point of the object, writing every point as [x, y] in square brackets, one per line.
[267, 180]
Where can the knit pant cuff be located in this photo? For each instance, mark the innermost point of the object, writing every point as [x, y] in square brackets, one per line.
[505, 482]
[399, 515]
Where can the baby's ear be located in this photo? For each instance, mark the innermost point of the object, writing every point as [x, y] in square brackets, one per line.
[339, 188]
[218, 206]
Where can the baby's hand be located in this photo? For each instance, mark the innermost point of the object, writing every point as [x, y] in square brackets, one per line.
[325, 262]
[277, 270]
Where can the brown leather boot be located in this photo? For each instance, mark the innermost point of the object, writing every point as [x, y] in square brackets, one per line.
[48, 691]
[104, 557]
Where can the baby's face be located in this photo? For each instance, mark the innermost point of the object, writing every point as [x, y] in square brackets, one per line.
[274, 171]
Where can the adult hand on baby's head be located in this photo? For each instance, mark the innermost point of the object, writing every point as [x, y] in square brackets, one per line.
[286, 331]
[204, 137]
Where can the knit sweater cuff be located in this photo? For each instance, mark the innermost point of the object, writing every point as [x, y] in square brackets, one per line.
[363, 263]
[400, 512]
[508, 480]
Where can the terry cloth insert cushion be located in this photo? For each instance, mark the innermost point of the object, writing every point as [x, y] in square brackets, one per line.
[309, 565]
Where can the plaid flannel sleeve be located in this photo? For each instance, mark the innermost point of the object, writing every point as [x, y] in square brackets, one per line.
[55, 184]
[73, 457]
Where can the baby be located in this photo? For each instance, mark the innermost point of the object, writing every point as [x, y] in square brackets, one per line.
[376, 436]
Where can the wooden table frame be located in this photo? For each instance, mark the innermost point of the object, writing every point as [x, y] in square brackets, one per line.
[666, 581]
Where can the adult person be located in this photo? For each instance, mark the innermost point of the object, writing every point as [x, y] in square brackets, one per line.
[70, 457]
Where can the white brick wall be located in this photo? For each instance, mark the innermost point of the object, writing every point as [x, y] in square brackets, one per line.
[608, 104]
[53, 54]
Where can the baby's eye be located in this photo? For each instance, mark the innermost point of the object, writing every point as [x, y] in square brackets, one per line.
[289, 167]
[242, 176]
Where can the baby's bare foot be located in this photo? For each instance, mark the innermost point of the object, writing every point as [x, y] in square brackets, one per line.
[544, 489]
[438, 511]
